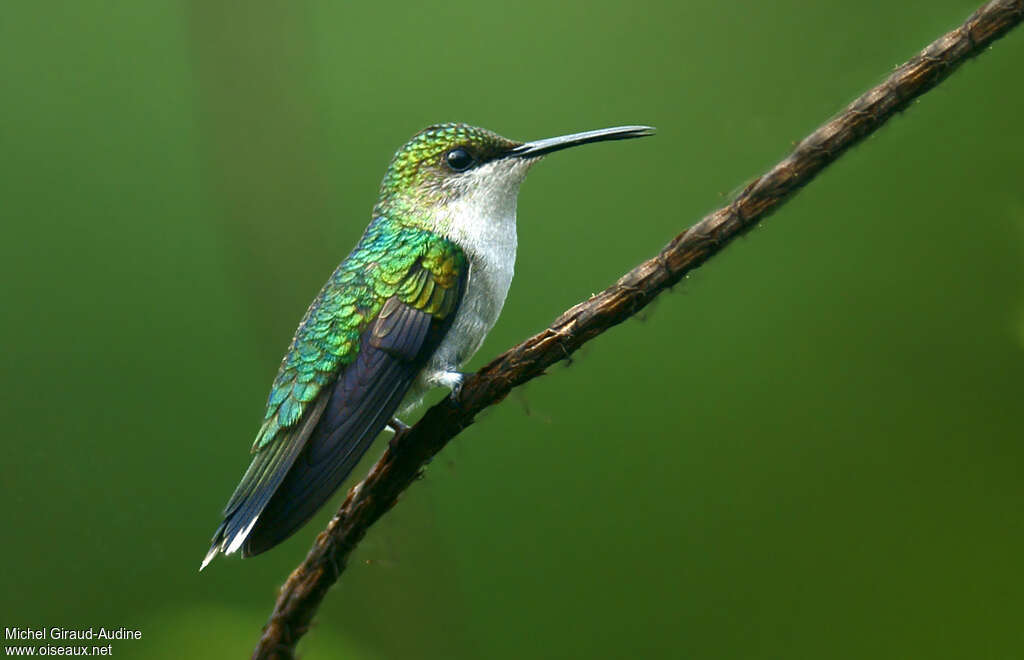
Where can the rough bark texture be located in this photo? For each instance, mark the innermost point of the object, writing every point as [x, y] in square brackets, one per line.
[300, 596]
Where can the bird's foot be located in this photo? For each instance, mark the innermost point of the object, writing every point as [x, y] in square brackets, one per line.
[453, 380]
[398, 428]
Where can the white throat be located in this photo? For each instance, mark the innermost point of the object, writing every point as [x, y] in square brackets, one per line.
[482, 218]
[482, 221]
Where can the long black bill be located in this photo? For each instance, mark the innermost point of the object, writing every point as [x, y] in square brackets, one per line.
[548, 145]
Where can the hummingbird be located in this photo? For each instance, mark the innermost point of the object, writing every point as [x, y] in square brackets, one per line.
[400, 315]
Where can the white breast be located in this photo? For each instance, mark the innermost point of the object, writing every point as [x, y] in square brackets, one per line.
[482, 221]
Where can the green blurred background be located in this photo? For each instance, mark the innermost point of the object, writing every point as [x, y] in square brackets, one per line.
[811, 448]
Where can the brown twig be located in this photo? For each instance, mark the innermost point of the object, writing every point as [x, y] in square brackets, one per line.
[301, 594]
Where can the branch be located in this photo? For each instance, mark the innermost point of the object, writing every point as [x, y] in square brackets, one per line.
[402, 463]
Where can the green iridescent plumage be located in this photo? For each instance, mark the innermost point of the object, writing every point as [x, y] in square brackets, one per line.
[360, 347]
[328, 336]
[400, 314]
[414, 181]
[356, 353]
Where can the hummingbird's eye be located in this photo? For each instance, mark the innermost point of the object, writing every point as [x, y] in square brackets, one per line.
[459, 159]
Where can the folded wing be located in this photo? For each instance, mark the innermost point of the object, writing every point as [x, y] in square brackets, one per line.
[294, 474]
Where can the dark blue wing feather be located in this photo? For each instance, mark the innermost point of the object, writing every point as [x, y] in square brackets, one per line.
[303, 463]
[361, 402]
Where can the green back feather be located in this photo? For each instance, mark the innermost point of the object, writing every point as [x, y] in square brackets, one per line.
[327, 340]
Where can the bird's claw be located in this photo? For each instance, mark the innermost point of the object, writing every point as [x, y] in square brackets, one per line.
[456, 390]
[398, 429]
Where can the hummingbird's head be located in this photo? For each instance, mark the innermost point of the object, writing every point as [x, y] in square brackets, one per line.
[452, 174]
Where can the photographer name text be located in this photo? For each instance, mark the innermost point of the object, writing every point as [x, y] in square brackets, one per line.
[67, 634]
